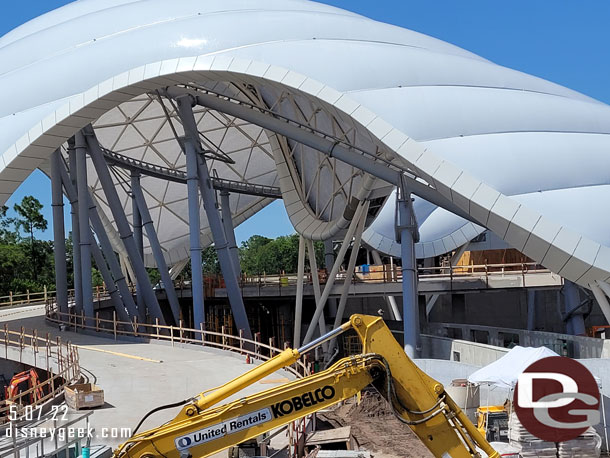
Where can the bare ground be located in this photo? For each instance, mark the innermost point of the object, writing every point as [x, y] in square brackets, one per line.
[377, 429]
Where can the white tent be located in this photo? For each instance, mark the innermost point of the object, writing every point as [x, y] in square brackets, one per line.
[505, 371]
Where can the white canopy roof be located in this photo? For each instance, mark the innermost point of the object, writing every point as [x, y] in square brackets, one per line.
[505, 371]
[524, 157]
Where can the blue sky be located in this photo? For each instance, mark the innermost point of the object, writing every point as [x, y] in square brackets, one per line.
[565, 42]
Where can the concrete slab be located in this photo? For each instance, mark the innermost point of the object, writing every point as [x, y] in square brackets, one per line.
[137, 377]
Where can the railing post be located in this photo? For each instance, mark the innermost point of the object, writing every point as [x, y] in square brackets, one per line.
[171, 334]
[271, 346]
[157, 326]
[82, 319]
[180, 331]
[97, 321]
[486, 275]
[257, 347]
[10, 296]
[114, 323]
[5, 341]
[59, 360]
[224, 339]
[35, 345]
[135, 325]
[45, 293]
[241, 339]
[202, 333]
[27, 294]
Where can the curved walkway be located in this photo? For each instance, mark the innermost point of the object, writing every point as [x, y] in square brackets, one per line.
[137, 377]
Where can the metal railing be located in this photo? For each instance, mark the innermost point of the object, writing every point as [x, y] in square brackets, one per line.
[60, 360]
[387, 274]
[180, 334]
[40, 297]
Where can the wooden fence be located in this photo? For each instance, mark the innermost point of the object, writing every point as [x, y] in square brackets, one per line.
[60, 360]
[256, 349]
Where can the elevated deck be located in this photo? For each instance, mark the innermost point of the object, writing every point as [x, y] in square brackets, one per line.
[137, 376]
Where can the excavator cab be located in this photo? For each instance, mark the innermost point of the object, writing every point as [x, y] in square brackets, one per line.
[492, 422]
[24, 381]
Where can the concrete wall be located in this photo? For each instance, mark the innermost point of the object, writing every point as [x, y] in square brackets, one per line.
[462, 351]
[562, 344]
[508, 308]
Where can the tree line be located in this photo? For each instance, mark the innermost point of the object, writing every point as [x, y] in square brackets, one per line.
[27, 262]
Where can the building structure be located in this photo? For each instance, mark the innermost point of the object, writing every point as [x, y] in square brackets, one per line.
[140, 114]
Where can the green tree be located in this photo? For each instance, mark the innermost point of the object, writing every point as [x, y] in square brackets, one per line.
[260, 254]
[30, 219]
[209, 258]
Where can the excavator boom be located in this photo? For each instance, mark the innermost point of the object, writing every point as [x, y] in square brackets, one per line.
[203, 427]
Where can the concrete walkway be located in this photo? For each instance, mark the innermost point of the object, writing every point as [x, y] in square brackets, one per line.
[137, 377]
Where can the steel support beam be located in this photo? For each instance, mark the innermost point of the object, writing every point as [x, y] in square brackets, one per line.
[315, 280]
[298, 306]
[59, 234]
[98, 227]
[333, 273]
[531, 309]
[407, 230]
[155, 246]
[455, 258]
[227, 221]
[113, 292]
[83, 222]
[351, 265]
[601, 298]
[329, 260]
[137, 235]
[192, 183]
[229, 273]
[391, 300]
[185, 110]
[115, 269]
[324, 145]
[76, 268]
[575, 322]
[120, 219]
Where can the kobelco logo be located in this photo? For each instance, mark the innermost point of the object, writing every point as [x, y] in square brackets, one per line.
[557, 399]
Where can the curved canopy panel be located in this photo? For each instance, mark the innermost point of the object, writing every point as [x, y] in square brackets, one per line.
[516, 154]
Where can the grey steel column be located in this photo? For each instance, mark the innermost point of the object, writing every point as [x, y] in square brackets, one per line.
[59, 234]
[115, 297]
[76, 268]
[113, 263]
[531, 309]
[83, 222]
[298, 306]
[185, 110]
[575, 322]
[227, 221]
[104, 241]
[329, 260]
[137, 235]
[222, 248]
[148, 225]
[407, 229]
[97, 156]
[192, 182]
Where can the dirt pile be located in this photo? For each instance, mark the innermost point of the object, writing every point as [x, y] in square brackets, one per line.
[377, 429]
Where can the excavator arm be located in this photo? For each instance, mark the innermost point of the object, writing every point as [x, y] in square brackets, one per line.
[203, 428]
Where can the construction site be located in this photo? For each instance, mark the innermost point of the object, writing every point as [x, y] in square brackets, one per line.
[432, 269]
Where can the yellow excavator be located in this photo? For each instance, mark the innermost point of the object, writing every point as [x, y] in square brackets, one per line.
[203, 427]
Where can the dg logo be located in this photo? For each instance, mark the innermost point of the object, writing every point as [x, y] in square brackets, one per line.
[557, 399]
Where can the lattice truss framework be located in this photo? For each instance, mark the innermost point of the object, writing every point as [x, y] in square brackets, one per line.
[146, 128]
